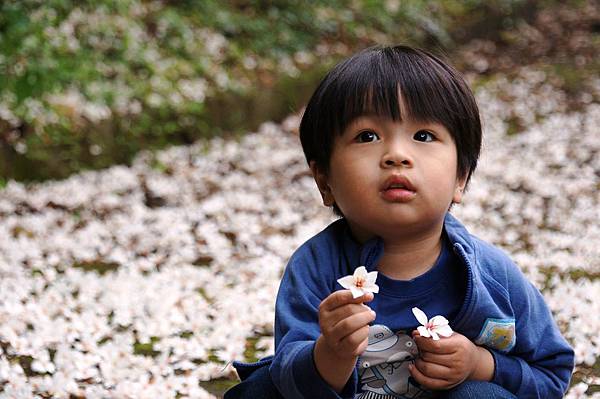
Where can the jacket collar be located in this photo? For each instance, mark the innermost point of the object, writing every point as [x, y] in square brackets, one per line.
[462, 244]
[370, 252]
[458, 234]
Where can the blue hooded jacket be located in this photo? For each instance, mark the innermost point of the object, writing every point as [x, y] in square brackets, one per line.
[502, 311]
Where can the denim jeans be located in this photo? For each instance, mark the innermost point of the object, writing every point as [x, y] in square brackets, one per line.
[478, 389]
[257, 384]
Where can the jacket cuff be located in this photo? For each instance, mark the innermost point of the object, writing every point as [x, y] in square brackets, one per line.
[309, 382]
[507, 371]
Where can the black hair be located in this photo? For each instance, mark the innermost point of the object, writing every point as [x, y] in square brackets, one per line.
[371, 81]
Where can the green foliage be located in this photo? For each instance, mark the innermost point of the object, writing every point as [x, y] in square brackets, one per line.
[98, 266]
[85, 84]
[146, 348]
[218, 386]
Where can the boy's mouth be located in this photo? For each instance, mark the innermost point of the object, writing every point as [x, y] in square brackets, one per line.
[398, 189]
[398, 182]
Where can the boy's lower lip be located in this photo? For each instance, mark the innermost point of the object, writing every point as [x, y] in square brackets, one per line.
[398, 195]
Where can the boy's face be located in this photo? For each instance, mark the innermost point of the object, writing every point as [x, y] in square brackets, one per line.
[392, 177]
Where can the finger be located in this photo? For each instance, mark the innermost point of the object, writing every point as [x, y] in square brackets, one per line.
[432, 370]
[342, 312]
[343, 297]
[440, 346]
[350, 324]
[427, 382]
[444, 359]
[355, 343]
[342, 322]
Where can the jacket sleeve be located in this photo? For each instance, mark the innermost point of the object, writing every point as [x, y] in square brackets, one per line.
[293, 370]
[541, 362]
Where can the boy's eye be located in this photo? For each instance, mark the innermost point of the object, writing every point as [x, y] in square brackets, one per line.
[424, 136]
[367, 136]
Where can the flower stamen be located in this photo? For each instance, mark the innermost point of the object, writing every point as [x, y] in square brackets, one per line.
[360, 282]
[434, 327]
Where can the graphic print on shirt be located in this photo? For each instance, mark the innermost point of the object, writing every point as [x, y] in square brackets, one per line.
[498, 334]
[383, 367]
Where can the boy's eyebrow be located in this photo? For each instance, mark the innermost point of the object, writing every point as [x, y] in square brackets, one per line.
[375, 119]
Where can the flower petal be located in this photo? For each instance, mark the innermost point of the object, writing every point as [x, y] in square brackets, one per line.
[420, 315]
[444, 331]
[371, 278]
[346, 282]
[374, 288]
[361, 271]
[434, 335]
[423, 332]
[439, 321]
[356, 292]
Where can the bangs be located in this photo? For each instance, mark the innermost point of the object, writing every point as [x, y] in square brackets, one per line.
[378, 82]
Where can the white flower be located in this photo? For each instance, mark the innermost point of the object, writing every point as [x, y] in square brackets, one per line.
[360, 282]
[437, 325]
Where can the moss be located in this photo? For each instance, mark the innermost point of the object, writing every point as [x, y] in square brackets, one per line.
[103, 340]
[572, 77]
[584, 274]
[514, 126]
[212, 357]
[574, 275]
[19, 231]
[159, 166]
[186, 334]
[203, 260]
[146, 348]
[250, 353]
[204, 295]
[97, 266]
[586, 374]
[25, 363]
[218, 387]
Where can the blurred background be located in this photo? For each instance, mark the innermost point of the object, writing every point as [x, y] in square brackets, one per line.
[148, 277]
[87, 84]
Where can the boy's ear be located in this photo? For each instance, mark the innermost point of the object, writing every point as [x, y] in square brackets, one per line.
[321, 180]
[459, 189]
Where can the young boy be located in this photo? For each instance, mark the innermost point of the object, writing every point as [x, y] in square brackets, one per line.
[392, 136]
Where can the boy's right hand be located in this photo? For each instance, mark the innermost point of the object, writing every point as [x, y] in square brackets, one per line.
[344, 323]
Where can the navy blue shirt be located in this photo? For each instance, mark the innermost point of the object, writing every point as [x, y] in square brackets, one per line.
[439, 291]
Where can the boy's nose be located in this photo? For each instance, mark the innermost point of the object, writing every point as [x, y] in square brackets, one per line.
[392, 162]
[394, 158]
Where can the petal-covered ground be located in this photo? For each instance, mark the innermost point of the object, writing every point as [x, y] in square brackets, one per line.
[142, 281]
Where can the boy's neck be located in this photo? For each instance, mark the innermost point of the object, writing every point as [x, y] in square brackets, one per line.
[407, 258]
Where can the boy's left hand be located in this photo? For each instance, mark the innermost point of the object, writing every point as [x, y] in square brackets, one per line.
[447, 362]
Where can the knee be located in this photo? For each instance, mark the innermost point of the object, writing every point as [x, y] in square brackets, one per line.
[478, 389]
